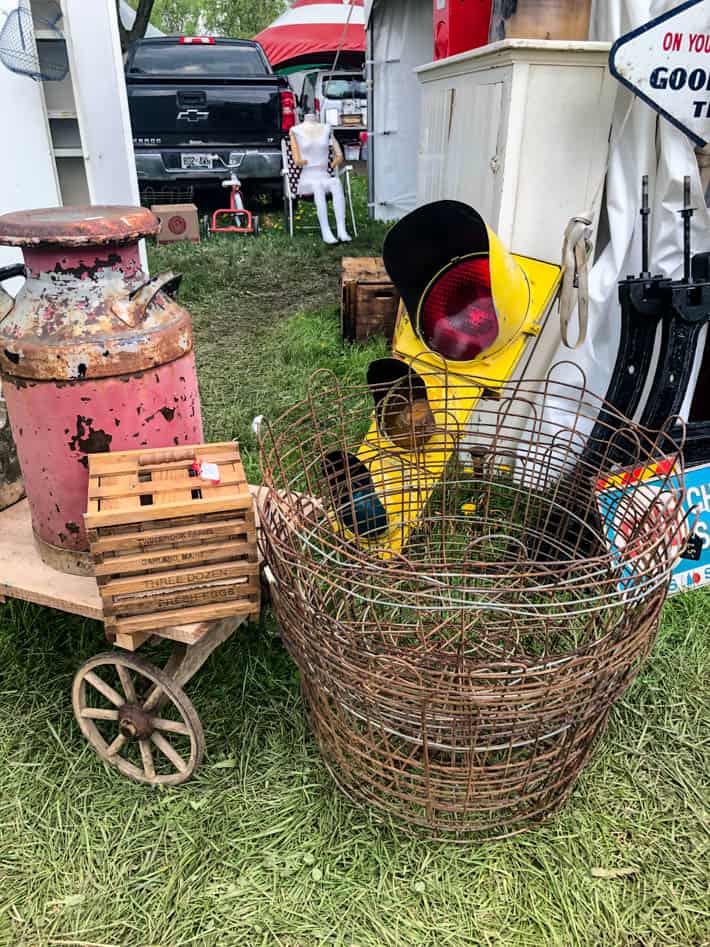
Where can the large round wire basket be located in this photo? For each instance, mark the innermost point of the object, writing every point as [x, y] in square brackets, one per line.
[467, 582]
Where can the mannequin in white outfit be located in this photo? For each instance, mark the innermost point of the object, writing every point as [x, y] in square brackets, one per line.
[310, 143]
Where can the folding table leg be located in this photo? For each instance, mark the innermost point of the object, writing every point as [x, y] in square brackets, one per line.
[350, 201]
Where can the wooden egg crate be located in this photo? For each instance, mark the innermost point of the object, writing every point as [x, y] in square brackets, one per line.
[169, 547]
[369, 300]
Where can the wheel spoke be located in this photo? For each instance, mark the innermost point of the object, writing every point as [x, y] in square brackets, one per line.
[153, 698]
[116, 746]
[103, 688]
[144, 704]
[171, 726]
[167, 750]
[99, 713]
[147, 757]
[126, 684]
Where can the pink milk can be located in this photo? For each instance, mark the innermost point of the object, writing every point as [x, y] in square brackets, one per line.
[93, 356]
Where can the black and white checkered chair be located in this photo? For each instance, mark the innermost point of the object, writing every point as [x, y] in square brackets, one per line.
[291, 174]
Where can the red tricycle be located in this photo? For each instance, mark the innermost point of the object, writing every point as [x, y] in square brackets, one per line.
[239, 219]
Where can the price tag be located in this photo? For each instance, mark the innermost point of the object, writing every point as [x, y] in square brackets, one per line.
[207, 471]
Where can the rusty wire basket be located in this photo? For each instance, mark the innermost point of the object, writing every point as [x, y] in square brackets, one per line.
[466, 585]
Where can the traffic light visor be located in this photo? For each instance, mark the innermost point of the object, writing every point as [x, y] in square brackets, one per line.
[465, 294]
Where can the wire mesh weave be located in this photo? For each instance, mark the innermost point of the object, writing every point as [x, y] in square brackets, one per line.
[177, 194]
[19, 51]
[458, 674]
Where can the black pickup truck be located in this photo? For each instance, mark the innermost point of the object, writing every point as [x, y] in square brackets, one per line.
[201, 105]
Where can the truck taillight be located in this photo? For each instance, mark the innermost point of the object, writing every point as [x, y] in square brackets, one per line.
[288, 110]
[316, 107]
[197, 40]
[457, 317]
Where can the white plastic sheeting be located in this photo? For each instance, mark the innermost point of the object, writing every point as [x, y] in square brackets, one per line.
[642, 142]
[399, 38]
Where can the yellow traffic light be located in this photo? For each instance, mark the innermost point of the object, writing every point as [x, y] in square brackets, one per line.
[468, 309]
[467, 304]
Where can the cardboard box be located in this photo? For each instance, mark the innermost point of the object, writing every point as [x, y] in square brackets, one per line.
[177, 222]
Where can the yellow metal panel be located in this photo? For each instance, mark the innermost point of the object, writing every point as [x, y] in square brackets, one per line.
[404, 480]
[543, 280]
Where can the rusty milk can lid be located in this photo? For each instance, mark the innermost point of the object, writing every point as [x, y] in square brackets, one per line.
[97, 318]
[77, 226]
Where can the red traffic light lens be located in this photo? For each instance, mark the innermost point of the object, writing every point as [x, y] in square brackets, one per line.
[457, 318]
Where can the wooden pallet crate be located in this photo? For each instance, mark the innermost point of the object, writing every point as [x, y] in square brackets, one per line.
[170, 548]
[369, 301]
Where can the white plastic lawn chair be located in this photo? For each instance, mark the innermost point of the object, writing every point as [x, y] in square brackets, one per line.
[291, 175]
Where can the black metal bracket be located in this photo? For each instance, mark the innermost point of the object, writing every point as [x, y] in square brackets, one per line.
[682, 307]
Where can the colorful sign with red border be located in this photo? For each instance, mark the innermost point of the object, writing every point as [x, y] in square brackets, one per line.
[688, 574]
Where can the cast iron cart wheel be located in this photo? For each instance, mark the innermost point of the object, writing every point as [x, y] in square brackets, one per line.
[138, 719]
[206, 224]
[256, 224]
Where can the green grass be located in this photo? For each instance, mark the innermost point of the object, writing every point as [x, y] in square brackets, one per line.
[260, 849]
[264, 312]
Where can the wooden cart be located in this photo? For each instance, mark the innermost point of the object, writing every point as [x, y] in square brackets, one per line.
[143, 724]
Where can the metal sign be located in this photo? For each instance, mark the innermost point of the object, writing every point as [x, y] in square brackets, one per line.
[667, 64]
[693, 574]
[693, 569]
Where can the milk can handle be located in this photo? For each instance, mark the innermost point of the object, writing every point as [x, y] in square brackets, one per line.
[133, 309]
[8, 272]
[168, 283]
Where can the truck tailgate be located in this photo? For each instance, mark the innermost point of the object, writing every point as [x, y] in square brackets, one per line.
[235, 113]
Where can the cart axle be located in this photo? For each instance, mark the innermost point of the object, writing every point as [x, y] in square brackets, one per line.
[134, 723]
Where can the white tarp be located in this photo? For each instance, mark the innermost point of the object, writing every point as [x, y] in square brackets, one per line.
[399, 39]
[643, 143]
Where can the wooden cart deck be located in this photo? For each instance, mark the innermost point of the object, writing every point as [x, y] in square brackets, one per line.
[23, 575]
[135, 721]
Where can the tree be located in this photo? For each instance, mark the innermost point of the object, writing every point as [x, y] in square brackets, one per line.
[235, 18]
[178, 16]
[240, 18]
[143, 9]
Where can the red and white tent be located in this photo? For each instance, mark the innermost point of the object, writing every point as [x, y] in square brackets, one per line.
[314, 30]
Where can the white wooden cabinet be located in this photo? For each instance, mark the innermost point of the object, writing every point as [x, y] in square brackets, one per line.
[518, 129]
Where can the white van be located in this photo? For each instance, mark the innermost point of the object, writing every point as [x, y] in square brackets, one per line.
[338, 99]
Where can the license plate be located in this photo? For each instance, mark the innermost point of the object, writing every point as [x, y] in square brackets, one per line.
[194, 162]
[353, 119]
